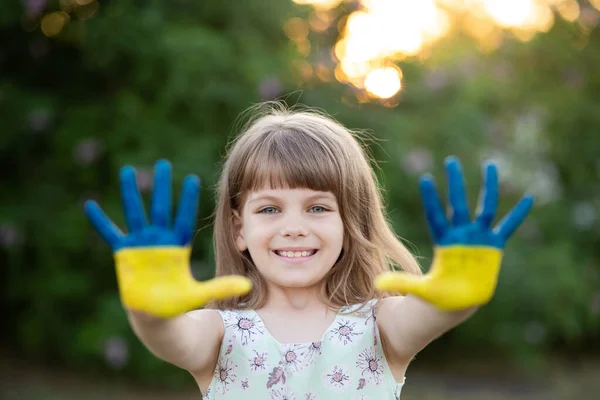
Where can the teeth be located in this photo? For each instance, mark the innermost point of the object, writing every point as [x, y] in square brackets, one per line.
[293, 254]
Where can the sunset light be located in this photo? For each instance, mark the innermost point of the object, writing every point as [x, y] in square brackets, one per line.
[380, 33]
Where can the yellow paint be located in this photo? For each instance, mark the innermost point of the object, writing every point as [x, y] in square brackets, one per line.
[460, 277]
[158, 281]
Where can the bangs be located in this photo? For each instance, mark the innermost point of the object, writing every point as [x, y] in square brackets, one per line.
[289, 159]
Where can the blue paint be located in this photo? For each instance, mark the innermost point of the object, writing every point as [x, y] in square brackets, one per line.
[160, 231]
[460, 229]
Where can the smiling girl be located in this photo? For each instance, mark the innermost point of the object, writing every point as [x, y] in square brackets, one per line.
[304, 304]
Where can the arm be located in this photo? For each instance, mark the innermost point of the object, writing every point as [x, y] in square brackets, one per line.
[407, 324]
[153, 273]
[464, 272]
[189, 341]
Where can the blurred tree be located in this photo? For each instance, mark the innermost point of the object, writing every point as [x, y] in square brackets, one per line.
[83, 91]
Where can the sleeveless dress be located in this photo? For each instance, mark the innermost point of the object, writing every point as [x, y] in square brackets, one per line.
[347, 363]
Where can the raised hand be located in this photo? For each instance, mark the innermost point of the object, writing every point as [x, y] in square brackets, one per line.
[152, 260]
[468, 253]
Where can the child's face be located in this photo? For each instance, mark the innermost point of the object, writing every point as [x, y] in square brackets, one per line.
[278, 223]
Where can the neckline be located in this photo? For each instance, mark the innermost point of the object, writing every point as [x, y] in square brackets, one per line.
[321, 339]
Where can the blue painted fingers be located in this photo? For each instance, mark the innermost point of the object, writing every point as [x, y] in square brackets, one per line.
[159, 231]
[460, 228]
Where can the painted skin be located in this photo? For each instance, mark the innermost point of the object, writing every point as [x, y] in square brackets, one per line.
[153, 260]
[467, 253]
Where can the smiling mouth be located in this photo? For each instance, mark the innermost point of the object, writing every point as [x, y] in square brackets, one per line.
[295, 254]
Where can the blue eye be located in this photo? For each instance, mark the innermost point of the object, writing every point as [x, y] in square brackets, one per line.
[267, 210]
[320, 208]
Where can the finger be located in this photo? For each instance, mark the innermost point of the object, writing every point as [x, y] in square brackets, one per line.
[456, 192]
[488, 200]
[436, 218]
[514, 218]
[161, 195]
[400, 282]
[224, 287]
[187, 210]
[104, 226]
[132, 200]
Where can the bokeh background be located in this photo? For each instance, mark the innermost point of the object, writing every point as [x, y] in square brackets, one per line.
[87, 86]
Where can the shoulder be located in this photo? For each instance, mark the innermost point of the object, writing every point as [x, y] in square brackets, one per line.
[225, 320]
[207, 330]
[209, 317]
[387, 315]
[386, 306]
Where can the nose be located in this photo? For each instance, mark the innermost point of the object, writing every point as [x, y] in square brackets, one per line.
[294, 226]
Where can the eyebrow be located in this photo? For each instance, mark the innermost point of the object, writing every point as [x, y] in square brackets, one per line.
[310, 198]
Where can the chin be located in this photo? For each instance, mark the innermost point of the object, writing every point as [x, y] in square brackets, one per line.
[295, 281]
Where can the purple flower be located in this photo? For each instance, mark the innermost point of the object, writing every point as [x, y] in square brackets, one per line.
[145, 179]
[33, 8]
[87, 151]
[436, 79]
[10, 235]
[116, 352]
[417, 161]
[270, 88]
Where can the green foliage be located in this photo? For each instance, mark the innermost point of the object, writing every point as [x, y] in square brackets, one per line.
[146, 80]
[137, 82]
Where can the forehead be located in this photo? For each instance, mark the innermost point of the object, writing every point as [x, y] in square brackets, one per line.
[301, 194]
[287, 160]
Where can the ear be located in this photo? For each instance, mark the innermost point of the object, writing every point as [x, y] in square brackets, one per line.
[237, 224]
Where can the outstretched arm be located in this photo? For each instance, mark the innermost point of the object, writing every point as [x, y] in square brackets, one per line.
[156, 286]
[465, 268]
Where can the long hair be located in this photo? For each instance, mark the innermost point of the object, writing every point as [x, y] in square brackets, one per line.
[283, 148]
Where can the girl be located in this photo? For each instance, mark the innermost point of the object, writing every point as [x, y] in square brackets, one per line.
[305, 259]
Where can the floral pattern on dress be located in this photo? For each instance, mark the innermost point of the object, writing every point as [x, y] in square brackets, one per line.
[313, 351]
[370, 364]
[347, 361]
[372, 320]
[276, 376]
[258, 362]
[225, 374]
[292, 358]
[344, 332]
[338, 377]
[283, 394]
[246, 327]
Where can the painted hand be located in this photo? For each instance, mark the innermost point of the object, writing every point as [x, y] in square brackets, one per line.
[467, 254]
[152, 260]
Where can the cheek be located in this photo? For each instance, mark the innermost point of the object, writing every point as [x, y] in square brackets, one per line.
[258, 233]
[335, 231]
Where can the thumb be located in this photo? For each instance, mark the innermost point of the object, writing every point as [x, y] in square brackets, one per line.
[222, 288]
[400, 282]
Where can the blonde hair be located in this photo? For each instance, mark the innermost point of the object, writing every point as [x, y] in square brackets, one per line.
[284, 148]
